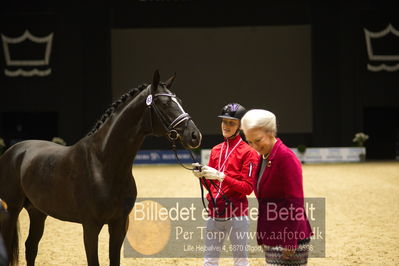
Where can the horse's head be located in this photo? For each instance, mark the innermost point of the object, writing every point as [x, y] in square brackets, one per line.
[170, 118]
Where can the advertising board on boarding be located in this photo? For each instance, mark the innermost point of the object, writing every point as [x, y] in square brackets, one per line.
[317, 155]
[162, 157]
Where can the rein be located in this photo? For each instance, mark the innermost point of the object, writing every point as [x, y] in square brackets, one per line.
[173, 136]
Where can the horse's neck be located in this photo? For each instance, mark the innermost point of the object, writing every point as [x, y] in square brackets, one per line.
[119, 139]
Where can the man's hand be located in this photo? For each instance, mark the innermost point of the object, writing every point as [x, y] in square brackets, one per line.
[197, 170]
[211, 173]
[207, 172]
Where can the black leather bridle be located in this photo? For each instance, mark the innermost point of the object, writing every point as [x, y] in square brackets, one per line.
[170, 128]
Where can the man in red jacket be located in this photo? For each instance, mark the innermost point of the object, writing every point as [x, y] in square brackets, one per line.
[229, 177]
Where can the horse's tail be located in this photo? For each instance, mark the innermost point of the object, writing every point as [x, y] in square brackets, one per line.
[11, 237]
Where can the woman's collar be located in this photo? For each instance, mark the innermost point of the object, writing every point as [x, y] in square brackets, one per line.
[275, 148]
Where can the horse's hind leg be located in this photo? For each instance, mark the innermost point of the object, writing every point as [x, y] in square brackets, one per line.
[36, 228]
[10, 232]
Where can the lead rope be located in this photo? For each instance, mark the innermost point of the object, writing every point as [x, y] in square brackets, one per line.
[202, 181]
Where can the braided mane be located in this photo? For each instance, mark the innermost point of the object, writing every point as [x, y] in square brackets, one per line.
[115, 105]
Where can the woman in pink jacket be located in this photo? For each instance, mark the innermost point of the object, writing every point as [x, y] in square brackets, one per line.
[283, 229]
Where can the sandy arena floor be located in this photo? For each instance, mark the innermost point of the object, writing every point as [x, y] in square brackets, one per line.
[362, 216]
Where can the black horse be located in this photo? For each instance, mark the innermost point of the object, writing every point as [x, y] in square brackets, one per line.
[91, 181]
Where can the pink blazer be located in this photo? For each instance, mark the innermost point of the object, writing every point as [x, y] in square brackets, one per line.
[282, 219]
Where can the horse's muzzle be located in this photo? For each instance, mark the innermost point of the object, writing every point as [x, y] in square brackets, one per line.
[192, 137]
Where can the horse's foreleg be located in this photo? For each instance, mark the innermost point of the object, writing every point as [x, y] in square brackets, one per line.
[36, 228]
[117, 232]
[90, 235]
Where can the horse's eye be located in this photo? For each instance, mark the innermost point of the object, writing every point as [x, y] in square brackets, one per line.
[163, 102]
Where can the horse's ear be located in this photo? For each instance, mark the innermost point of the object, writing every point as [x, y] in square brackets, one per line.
[155, 80]
[169, 82]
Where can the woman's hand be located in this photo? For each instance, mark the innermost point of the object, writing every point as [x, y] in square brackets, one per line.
[288, 253]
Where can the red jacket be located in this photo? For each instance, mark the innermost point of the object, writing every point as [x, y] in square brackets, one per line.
[239, 169]
[282, 219]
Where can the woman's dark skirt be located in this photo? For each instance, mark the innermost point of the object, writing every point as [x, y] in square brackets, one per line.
[274, 255]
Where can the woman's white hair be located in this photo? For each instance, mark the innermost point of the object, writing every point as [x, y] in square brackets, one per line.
[259, 118]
